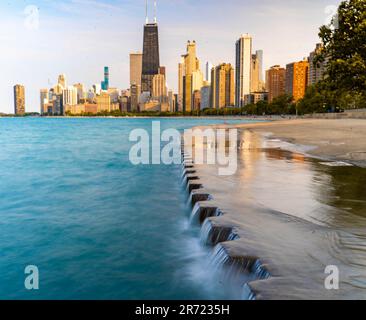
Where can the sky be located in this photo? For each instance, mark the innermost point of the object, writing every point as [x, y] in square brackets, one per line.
[40, 39]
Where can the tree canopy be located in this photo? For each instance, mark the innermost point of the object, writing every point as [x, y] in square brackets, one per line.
[344, 42]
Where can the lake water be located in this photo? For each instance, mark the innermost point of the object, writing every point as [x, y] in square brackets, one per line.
[96, 226]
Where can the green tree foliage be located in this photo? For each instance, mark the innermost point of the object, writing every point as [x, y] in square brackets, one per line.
[279, 106]
[344, 40]
[283, 105]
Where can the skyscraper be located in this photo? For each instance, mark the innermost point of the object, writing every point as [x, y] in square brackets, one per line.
[70, 96]
[205, 96]
[223, 88]
[180, 84]
[259, 55]
[192, 76]
[19, 99]
[297, 74]
[135, 68]
[257, 83]
[275, 82]
[150, 56]
[57, 104]
[135, 96]
[316, 70]
[81, 92]
[209, 67]
[105, 82]
[196, 100]
[44, 97]
[243, 68]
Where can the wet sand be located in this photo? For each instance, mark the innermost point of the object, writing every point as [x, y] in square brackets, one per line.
[341, 139]
[284, 216]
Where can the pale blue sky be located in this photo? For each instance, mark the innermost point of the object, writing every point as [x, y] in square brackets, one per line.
[80, 37]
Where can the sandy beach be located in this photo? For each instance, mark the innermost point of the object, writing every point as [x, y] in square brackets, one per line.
[341, 139]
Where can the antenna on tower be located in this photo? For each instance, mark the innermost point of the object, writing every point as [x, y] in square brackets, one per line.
[146, 11]
[155, 18]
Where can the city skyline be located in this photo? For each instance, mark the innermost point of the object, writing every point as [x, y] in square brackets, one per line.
[39, 63]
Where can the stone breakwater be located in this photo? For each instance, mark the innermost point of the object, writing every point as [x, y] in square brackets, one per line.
[284, 256]
[214, 234]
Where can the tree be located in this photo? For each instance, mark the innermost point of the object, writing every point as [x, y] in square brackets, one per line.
[314, 101]
[345, 49]
[282, 105]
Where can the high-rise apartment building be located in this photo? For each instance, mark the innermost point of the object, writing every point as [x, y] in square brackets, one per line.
[257, 83]
[70, 96]
[223, 86]
[316, 69]
[181, 68]
[259, 58]
[297, 74]
[104, 102]
[275, 82]
[205, 96]
[135, 68]
[243, 68]
[192, 76]
[81, 92]
[44, 98]
[19, 99]
[135, 96]
[57, 104]
[197, 100]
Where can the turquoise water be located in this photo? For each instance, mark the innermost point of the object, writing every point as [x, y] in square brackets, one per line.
[96, 226]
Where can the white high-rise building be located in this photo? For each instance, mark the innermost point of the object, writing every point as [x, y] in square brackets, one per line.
[70, 96]
[209, 67]
[243, 69]
[44, 96]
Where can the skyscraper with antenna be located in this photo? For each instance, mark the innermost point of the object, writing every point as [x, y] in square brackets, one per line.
[150, 57]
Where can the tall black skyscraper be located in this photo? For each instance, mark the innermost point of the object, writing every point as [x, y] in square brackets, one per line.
[150, 57]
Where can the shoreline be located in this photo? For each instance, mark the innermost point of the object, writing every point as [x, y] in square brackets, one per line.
[325, 139]
[228, 117]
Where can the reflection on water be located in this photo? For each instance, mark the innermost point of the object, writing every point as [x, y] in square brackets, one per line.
[297, 216]
[289, 182]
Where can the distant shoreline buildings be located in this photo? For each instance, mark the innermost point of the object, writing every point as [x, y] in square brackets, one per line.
[219, 86]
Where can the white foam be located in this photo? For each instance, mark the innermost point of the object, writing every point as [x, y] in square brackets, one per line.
[337, 164]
